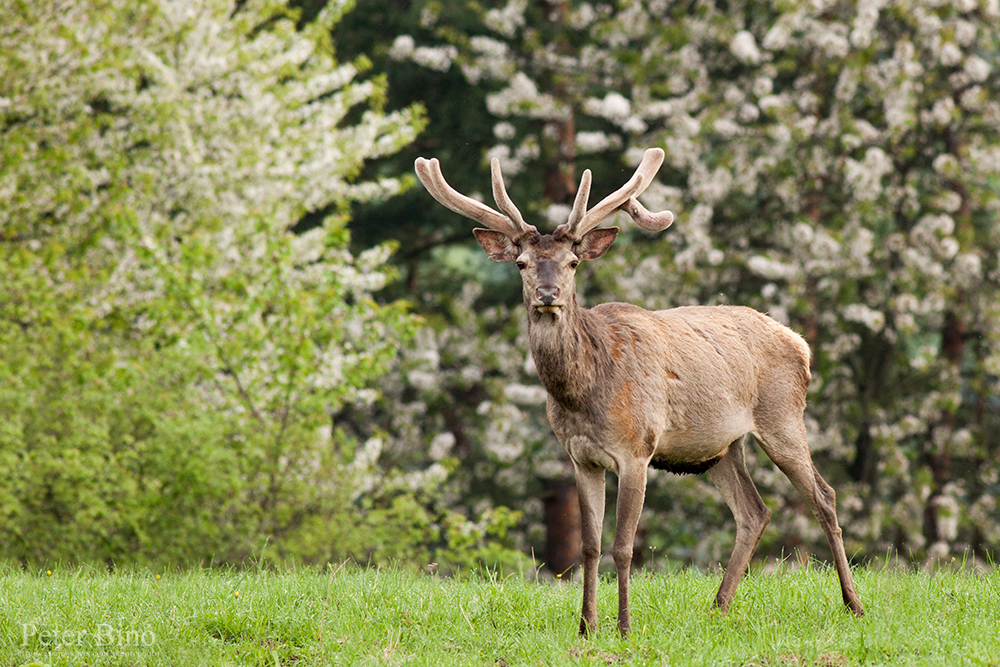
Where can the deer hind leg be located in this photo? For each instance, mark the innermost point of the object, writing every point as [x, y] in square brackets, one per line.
[787, 446]
[590, 483]
[631, 495]
[731, 477]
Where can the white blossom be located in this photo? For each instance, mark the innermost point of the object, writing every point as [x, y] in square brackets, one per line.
[710, 187]
[968, 269]
[865, 177]
[437, 58]
[943, 111]
[523, 96]
[763, 86]
[865, 22]
[832, 39]
[744, 47]
[858, 312]
[595, 142]
[777, 37]
[771, 269]
[423, 380]
[899, 112]
[977, 69]
[950, 54]
[441, 445]
[583, 16]
[508, 19]
[949, 201]
[634, 124]
[946, 164]
[965, 32]
[526, 394]
[504, 131]
[726, 127]
[402, 47]
[557, 214]
[748, 113]
[803, 233]
[614, 107]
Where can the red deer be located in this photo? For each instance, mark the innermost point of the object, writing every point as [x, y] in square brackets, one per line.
[677, 389]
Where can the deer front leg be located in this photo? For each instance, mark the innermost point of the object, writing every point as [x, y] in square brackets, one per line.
[631, 495]
[590, 486]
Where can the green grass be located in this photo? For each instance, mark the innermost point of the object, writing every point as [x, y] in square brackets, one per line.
[379, 617]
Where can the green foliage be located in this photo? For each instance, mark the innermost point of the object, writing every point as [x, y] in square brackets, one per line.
[170, 351]
[409, 531]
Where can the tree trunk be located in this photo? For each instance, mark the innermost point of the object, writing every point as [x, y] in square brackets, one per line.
[953, 338]
[863, 468]
[563, 538]
[562, 526]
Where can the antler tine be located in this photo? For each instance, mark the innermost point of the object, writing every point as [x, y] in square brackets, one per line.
[504, 202]
[651, 222]
[429, 173]
[580, 202]
[625, 199]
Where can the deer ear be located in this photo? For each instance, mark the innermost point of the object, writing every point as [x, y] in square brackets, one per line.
[595, 242]
[497, 245]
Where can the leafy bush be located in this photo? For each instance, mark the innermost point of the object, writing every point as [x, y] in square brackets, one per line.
[170, 351]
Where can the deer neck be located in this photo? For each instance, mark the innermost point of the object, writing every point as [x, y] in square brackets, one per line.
[564, 349]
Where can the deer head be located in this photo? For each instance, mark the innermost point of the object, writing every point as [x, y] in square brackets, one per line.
[548, 262]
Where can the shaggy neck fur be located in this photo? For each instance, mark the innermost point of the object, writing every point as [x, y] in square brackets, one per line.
[565, 349]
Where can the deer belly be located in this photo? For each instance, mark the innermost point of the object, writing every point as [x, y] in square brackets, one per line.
[700, 442]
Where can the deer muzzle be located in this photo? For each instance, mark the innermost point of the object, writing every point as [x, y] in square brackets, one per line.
[547, 296]
[547, 299]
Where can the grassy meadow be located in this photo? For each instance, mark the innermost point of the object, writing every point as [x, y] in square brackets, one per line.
[353, 616]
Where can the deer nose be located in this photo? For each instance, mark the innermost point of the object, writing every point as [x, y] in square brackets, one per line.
[547, 295]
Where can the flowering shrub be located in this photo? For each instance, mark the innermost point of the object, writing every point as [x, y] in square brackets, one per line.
[169, 350]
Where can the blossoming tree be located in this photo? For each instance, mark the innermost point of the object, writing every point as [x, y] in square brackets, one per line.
[169, 349]
[832, 163]
[837, 163]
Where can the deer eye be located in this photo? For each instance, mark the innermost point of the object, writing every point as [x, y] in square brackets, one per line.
[574, 263]
[520, 265]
